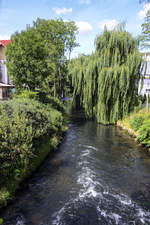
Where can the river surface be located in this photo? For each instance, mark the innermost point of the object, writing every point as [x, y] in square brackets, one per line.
[98, 176]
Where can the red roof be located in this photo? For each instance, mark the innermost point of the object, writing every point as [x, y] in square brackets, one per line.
[4, 42]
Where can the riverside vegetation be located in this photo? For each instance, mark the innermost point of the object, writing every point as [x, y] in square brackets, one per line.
[33, 122]
[138, 125]
[24, 125]
[106, 82]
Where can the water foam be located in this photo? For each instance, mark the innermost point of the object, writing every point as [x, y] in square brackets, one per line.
[110, 206]
[89, 147]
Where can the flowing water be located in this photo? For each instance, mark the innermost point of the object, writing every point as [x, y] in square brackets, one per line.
[99, 176]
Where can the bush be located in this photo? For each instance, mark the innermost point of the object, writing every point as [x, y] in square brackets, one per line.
[53, 101]
[27, 94]
[144, 134]
[44, 98]
[22, 123]
[136, 122]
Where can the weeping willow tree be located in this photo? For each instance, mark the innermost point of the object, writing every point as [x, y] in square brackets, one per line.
[106, 82]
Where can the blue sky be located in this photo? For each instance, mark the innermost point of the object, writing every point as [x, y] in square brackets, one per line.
[89, 15]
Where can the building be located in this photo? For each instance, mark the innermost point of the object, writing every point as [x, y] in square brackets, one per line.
[146, 73]
[5, 83]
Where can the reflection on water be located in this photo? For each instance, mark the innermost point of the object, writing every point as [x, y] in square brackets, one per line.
[99, 176]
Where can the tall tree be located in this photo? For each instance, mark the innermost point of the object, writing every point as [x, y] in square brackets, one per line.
[36, 57]
[106, 82]
[145, 37]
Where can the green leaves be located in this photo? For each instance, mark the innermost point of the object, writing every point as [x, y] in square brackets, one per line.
[22, 123]
[36, 57]
[105, 83]
[144, 134]
[144, 39]
[136, 122]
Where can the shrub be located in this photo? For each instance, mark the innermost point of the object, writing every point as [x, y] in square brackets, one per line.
[53, 101]
[43, 98]
[27, 94]
[136, 122]
[23, 123]
[144, 133]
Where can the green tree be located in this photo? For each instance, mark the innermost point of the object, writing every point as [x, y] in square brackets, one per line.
[106, 82]
[36, 57]
[145, 37]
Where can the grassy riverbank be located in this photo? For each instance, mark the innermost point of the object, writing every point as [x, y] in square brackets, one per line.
[29, 130]
[138, 125]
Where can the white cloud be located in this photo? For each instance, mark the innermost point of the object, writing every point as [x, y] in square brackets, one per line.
[84, 27]
[142, 13]
[59, 11]
[4, 37]
[85, 2]
[110, 24]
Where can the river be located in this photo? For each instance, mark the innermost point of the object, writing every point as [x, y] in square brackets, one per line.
[98, 176]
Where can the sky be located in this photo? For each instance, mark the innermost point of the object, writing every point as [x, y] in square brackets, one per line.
[90, 17]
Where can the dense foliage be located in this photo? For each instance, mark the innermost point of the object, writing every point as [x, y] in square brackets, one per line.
[106, 82]
[138, 124]
[23, 124]
[144, 134]
[144, 38]
[37, 57]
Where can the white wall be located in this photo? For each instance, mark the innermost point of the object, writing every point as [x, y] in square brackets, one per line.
[146, 86]
[3, 68]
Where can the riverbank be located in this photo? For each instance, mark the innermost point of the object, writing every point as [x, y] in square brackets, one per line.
[138, 125]
[29, 131]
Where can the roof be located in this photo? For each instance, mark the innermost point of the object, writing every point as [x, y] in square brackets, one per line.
[7, 85]
[4, 42]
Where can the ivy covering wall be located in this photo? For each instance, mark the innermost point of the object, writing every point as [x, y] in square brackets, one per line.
[106, 82]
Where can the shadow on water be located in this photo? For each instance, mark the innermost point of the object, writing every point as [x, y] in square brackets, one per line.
[98, 176]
